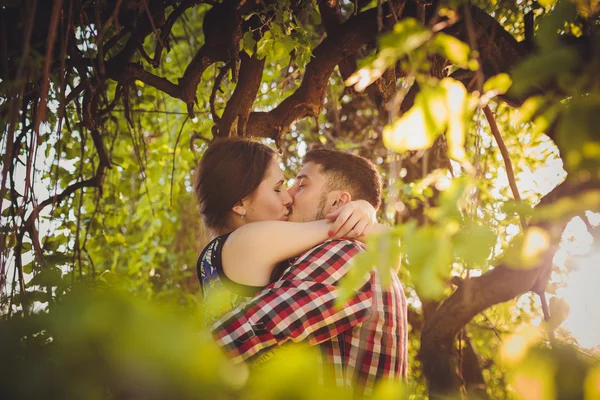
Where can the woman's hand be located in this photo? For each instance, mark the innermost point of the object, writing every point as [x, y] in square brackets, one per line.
[351, 220]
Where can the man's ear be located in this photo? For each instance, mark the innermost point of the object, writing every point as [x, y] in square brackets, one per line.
[340, 200]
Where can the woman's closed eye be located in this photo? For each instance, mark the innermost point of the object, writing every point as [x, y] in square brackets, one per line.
[279, 185]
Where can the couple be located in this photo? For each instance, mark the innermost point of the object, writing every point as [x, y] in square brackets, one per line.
[278, 258]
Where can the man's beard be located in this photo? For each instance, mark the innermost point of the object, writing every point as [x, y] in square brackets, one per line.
[321, 208]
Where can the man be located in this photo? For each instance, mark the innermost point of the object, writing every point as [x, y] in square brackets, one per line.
[366, 340]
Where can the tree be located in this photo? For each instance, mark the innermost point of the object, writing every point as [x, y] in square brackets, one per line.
[110, 91]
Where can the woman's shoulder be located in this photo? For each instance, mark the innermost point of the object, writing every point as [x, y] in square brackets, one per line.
[210, 269]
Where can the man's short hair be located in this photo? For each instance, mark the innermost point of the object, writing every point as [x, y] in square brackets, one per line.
[350, 172]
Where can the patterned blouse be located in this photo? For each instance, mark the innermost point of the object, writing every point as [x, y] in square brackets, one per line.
[219, 293]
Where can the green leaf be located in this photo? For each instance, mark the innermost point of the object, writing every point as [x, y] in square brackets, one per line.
[549, 25]
[473, 243]
[356, 277]
[407, 36]
[568, 207]
[303, 56]
[527, 249]
[529, 108]
[53, 243]
[535, 73]
[452, 48]
[450, 200]
[28, 268]
[498, 83]
[578, 135]
[264, 45]
[436, 109]
[387, 253]
[314, 16]
[459, 115]
[430, 270]
[418, 128]
[248, 43]
[58, 259]
[47, 277]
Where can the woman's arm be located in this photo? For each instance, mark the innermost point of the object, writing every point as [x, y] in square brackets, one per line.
[252, 251]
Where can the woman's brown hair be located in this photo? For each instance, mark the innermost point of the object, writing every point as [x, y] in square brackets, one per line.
[230, 170]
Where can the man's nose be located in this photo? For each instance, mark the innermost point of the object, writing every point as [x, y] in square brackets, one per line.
[292, 191]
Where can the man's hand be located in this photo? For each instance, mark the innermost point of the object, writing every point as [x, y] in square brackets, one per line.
[351, 220]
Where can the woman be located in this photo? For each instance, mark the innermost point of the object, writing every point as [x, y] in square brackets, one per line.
[240, 188]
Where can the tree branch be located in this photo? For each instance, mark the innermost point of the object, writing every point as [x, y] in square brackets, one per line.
[222, 32]
[165, 30]
[438, 354]
[332, 20]
[215, 89]
[307, 101]
[506, 157]
[240, 104]
[471, 371]
[52, 31]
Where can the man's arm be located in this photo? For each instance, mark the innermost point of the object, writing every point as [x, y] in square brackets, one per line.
[299, 306]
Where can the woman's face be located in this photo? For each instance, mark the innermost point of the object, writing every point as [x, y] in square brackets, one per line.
[270, 201]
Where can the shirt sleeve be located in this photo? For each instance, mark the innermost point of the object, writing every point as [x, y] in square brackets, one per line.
[299, 306]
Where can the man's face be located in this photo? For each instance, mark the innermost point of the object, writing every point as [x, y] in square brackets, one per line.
[310, 201]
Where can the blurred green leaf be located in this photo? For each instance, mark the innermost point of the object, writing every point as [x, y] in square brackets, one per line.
[452, 49]
[498, 83]
[568, 207]
[534, 377]
[578, 136]
[357, 276]
[550, 24]
[450, 200]
[473, 243]
[529, 108]
[407, 36]
[436, 109]
[430, 270]
[533, 73]
[527, 250]
[58, 259]
[592, 386]
[48, 276]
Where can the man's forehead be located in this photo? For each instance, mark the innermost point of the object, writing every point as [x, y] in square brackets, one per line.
[310, 170]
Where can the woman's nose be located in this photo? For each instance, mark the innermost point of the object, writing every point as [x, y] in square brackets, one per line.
[287, 198]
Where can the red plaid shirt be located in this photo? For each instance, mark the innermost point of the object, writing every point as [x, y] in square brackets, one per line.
[364, 342]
